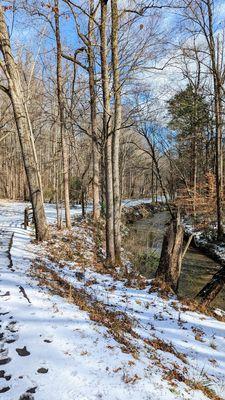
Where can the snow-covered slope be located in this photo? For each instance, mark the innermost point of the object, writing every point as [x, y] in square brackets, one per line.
[52, 348]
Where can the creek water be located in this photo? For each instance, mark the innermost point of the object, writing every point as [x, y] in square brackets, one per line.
[144, 243]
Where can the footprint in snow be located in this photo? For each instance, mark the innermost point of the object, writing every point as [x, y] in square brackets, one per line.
[23, 352]
[5, 389]
[32, 390]
[5, 294]
[26, 396]
[4, 361]
[12, 340]
[42, 370]
[6, 377]
[11, 327]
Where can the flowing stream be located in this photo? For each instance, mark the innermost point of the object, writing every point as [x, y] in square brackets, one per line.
[144, 244]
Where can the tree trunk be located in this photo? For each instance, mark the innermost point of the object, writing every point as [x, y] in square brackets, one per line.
[219, 165]
[110, 251]
[152, 182]
[83, 202]
[116, 130]
[212, 288]
[159, 177]
[169, 268]
[23, 128]
[93, 101]
[218, 121]
[65, 156]
[195, 167]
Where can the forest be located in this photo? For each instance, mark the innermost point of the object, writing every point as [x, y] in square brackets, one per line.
[112, 199]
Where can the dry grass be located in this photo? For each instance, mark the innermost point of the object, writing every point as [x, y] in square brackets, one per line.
[72, 248]
[158, 285]
[175, 375]
[118, 324]
[203, 388]
[159, 344]
[194, 305]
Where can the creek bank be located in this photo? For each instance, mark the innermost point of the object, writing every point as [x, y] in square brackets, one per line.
[206, 244]
[141, 211]
[142, 244]
[201, 241]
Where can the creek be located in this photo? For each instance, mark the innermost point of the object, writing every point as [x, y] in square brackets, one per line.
[144, 243]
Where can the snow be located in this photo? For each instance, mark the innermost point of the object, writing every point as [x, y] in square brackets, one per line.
[14, 211]
[81, 358]
[136, 202]
[207, 241]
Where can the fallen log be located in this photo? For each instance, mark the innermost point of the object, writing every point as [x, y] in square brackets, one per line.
[209, 292]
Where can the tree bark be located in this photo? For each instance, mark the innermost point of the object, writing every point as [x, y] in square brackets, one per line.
[65, 156]
[83, 202]
[93, 104]
[219, 164]
[218, 122]
[23, 128]
[169, 268]
[212, 288]
[195, 168]
[110, 250]
[116, 130]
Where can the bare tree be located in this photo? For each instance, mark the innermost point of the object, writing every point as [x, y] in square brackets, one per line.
[110, 249]
[201, 15]
[93, 104]
[14, 91]
[88, 48]
[62, 115]
[116, 129]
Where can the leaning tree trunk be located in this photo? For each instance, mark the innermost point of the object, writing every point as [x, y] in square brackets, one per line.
[169, 268]
[23, 128]
[212, 288]
[107, 137]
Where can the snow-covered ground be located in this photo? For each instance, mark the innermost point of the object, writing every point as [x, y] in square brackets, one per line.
[52, 349]
[14, 211]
